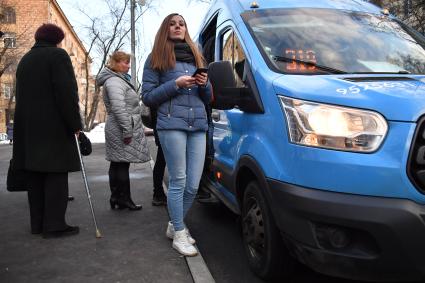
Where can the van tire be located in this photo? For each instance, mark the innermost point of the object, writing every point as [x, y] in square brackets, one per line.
[266, 254]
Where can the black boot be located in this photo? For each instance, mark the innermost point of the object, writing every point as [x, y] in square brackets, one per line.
[159, 198]
[122, 200]
[115, 196]
[119, 181]
[68, 231]
[114, 184]
[125, 200]
[202, 194]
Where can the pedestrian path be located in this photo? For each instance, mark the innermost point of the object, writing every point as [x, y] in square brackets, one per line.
[133, 247]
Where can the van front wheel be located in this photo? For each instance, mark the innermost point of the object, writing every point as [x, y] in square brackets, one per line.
[266, 254]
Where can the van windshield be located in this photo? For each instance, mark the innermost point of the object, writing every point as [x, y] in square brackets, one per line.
[323, 41]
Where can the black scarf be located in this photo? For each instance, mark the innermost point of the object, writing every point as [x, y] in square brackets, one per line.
[183, 52]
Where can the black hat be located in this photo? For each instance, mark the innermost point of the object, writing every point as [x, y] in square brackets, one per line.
[50, 33]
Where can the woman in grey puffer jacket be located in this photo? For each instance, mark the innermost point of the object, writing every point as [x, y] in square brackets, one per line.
[124, 136]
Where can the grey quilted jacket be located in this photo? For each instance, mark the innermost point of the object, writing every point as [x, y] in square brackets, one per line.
[123, 119]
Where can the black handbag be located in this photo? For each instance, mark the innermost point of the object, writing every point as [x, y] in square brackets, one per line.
[85, 144]
[17, 179]
[147, 116]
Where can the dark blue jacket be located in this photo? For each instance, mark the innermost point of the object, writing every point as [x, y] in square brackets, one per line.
[177, 108]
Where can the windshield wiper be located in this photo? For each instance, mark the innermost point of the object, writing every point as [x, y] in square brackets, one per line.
[401, 72]
[321, 67]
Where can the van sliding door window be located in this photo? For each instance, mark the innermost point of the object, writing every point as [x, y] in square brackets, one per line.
[232, 51]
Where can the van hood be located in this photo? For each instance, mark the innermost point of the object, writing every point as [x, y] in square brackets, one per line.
[397, 98]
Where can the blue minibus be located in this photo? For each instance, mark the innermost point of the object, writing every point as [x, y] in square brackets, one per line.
[319, 135]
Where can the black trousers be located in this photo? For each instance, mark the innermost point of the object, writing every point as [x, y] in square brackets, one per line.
[158, 172]
[48, 200]
[119, 180]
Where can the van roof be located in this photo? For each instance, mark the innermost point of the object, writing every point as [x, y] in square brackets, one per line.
[352, 5]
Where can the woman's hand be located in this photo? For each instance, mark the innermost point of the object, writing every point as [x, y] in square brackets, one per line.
[185, 81]
[127, 141]
[201, 79]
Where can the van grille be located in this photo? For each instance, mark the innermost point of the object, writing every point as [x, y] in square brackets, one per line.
[416, 161]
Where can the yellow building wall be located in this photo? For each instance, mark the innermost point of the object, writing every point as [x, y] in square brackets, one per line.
[30, 14]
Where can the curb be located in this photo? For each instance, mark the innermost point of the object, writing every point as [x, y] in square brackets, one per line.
[197, 266]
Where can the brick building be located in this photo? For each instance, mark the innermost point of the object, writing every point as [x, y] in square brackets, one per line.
[19, 20]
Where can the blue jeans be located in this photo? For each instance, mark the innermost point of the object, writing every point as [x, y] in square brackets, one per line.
[184, 154]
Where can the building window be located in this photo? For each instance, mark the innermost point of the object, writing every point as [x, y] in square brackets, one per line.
[8, 16]
[9, 40]
[6, 90]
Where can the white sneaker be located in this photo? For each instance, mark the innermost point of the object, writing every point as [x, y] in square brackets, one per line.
[170, 233]
[182, 245]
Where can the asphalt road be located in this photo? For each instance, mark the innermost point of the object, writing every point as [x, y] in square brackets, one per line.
[218, 235]
[217, 232]
[133, 248]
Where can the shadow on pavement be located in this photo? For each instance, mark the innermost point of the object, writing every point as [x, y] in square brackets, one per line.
[133, 248]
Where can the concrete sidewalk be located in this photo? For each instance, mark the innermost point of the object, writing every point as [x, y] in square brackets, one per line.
[133, 248]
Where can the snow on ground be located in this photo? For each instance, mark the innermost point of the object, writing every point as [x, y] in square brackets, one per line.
[3, 139]
[97, 135]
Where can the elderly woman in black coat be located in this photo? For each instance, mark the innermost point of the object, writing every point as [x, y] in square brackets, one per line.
[47, 117]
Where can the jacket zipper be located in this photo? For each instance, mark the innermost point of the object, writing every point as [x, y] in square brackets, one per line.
[169, 109]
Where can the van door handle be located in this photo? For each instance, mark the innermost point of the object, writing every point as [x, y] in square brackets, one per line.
[215, 116]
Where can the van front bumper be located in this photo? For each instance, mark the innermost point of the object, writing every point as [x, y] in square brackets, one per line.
[351, 236]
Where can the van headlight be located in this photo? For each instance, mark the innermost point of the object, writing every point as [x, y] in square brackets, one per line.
[333, 127]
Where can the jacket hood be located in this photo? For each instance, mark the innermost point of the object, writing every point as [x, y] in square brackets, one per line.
[399, 98]
[105, 74]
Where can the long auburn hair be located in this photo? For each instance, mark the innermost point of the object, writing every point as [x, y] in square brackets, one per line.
[163, 57]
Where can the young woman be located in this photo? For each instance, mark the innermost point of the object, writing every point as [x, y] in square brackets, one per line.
[124, 136]
[180, 98]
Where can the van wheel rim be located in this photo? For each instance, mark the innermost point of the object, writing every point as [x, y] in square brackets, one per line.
[253, 229]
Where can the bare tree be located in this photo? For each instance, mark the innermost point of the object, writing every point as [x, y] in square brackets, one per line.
[412, 12]
[142, 48]
[87, 61]
[106, 34]
[414, 15]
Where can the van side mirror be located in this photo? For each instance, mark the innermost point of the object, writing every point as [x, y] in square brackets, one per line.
[223, 82]
[227, 95]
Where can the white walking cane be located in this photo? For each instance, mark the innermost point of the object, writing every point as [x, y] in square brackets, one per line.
[83, 172]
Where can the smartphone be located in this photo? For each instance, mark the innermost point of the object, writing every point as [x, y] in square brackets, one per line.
[200, 70]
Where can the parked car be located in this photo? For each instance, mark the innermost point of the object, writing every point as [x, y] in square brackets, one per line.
[319, 135]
